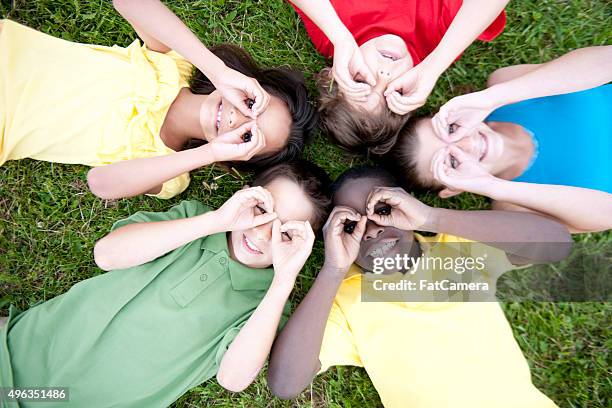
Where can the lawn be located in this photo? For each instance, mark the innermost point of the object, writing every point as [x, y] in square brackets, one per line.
[49, 221]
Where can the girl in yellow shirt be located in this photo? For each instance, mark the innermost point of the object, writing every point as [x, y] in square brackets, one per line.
[134, 107]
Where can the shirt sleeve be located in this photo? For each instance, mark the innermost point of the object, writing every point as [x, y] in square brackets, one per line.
[173, 187]
[184, 209]
[185, 68]
[338, 347]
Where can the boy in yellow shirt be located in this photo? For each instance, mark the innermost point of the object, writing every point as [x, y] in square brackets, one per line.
[417, 354]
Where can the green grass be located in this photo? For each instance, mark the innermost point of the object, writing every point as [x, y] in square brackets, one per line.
[49, 221]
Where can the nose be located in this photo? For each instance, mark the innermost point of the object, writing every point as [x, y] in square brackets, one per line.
[236, 118]
[465, 144]
[372, 231]
[263, 232]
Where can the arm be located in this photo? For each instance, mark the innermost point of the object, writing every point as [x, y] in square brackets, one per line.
[525, 237]
[473, 17]
[580, 209]
[133, 177]
[410, 91]
[575, 71]
[348, 60]
[135, 244]
[295, 356]
[248, 352]
[161, 28]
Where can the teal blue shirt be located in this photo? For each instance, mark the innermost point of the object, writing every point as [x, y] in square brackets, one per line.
[572, 134]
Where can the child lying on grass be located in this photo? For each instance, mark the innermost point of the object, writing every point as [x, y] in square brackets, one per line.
[190, 295]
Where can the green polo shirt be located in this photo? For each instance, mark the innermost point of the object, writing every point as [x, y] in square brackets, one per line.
[138, 337]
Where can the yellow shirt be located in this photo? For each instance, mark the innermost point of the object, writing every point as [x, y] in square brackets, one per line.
[74, 103]
[432, 355]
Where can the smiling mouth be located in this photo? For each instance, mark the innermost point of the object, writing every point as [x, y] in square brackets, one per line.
[250, 246]
[484, 146]
[219, 111]
[383, 249]
[390, 55]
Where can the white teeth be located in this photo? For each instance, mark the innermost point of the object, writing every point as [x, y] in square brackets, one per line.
[219, 115]
[380, 252]
[251, 245]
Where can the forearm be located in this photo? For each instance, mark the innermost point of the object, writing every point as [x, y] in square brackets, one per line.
[523, 235]
[136, 244]
[295, 356]
[471, 20]
[155, 20]
[575, 71]
[580, 209]
[130, 178]
[248, 352]
[322, 13]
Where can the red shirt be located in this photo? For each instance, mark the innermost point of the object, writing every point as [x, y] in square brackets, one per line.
[420, 23]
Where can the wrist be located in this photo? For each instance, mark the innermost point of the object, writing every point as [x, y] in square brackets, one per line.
[282, 283]
[207, 155]
[214, 70]
[341, 37]
[216, 220]
[496, 189]
[434, 65]
[432, 222]
[498, 95]
[334, 271]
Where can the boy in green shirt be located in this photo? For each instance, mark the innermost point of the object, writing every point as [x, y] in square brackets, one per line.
[184, 299]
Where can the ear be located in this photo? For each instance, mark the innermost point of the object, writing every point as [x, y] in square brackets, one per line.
[448, 192]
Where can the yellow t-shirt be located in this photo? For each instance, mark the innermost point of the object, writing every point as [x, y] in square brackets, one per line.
[432, 355]
[75, 103]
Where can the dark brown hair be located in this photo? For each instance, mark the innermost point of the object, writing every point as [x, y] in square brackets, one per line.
[287, 84]
[401, 160]
[368, 172]
[312, 179]
[355, 129]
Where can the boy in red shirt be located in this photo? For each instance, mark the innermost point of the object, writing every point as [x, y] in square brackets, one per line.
[387, 57]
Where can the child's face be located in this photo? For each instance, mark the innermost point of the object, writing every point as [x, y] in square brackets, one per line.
[219, 116]
[377, 241]
[252, 247]
[484, 144]
[387, 57]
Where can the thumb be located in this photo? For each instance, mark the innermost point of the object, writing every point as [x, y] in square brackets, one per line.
[360, 228]
[365, 72]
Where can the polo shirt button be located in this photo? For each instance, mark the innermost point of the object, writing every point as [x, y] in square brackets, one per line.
[203, 277]
[222, 261]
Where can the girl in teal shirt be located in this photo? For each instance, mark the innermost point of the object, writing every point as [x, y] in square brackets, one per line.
[538, 139]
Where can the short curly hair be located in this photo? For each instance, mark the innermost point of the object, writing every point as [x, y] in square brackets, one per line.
[355, 129]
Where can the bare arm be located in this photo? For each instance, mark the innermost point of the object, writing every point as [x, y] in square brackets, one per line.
[471, 20]
[163, 30]
[577, 70]
[248, 352]
[322, 13]
[136, 244]
[133, 177]
[580, 209]
[295, 356]
[525, 237]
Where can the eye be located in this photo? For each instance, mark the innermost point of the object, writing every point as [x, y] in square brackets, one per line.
[452, 128]
[382, 209]
[247, 137]
[453, 162]
[287, 236]
[349, 226]
[249, 103]
[260, 209]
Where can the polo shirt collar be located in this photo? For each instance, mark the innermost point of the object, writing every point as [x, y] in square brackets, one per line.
[242, 277]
